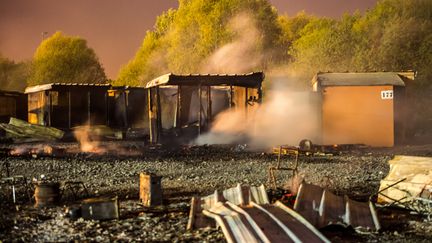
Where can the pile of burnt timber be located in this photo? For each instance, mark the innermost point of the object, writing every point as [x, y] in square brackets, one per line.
[20, 130]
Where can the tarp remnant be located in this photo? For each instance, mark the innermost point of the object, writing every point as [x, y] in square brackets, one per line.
[321, 208]
[408, 183]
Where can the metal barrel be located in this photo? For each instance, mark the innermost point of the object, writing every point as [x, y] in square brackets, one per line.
[47, 193]
[100, 208]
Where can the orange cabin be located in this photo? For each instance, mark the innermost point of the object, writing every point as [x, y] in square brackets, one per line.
[362, 108]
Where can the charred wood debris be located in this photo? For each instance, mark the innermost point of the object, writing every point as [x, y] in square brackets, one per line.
[288, 208]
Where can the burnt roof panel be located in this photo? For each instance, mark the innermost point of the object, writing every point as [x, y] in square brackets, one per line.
[359, 79]
[250, 80]
[53, 86]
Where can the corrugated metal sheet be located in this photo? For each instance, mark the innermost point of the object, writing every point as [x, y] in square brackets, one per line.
[239, 195]
[263, 223]
[50, 86]
[321, 208]
[358, 79]
[250, 80]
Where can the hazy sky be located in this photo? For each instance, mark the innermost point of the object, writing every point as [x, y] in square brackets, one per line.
[114, 28]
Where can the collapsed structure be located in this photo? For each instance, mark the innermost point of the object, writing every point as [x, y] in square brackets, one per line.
[184, 105]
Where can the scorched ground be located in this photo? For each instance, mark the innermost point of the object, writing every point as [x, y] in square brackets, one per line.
[186, 172]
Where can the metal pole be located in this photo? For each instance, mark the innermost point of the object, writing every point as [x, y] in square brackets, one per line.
[158, 115]
[126, 109]
[69, 109]
[200, 108]
[88, 108]
[209, 106]
[246, 101]
[178, 108]
[150, 115]
[13, 194]
[107, 113]
[231, 97]
[50, 108]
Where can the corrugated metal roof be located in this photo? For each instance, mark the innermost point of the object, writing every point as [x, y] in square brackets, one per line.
[263, 223]
[358, 79]
[321, 208]
[10, 93]
[250, 80]
[50, 86]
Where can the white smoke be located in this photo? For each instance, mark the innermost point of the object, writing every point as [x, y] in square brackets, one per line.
[286, 116]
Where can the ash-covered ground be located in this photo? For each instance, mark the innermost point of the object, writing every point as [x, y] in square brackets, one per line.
[186, 172]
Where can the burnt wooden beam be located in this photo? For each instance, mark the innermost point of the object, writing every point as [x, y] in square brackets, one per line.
[88, 108]
[69, 110]
[200, 108]
[158, 115]
[209, 106]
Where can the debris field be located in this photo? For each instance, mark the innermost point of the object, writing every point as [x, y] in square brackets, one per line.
[186, 172]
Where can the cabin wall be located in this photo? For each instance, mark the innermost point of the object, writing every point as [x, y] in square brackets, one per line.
[357, 115]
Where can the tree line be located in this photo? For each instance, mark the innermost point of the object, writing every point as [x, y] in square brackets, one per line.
[394, 35]
[246, 35]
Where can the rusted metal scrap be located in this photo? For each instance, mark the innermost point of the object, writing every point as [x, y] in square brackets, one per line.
[150, 192]
[321, 208]
[283, 150]
[47, 193]
[100, 208]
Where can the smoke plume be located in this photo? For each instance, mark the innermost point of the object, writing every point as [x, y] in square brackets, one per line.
[243, 54]
[286, 116]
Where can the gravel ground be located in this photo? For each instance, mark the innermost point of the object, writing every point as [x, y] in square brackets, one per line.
[187, 172]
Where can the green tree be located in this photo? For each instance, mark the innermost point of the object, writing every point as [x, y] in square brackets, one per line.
[291, 29]
[13, 76]
[65, 59]
[184, 39]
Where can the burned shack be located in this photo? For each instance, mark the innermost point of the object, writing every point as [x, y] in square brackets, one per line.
[127, 108]
[66, 105]
[12, 104]
[362, 108]
[183, 106]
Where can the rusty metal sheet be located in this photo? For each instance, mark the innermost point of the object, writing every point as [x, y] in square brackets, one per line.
[263, 223]
[321, 207]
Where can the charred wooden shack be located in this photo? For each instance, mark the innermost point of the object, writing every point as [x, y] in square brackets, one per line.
[12, 104]
[362, 108]
[65, 105]
[128, 108]
[183, 106]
